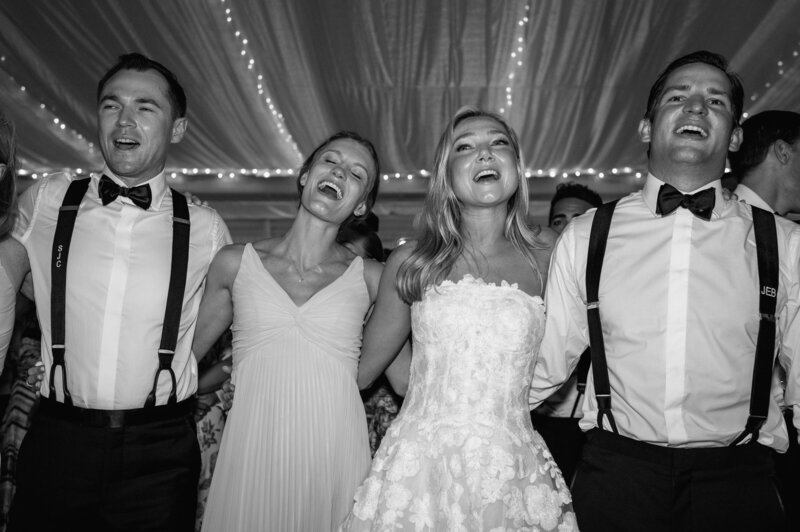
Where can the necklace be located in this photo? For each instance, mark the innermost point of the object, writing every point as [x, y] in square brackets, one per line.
[300, 273]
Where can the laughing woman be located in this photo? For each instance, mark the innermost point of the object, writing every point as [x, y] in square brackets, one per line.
[462, 454]
[295, 445]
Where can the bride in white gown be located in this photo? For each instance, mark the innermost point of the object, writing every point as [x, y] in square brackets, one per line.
[462, 454]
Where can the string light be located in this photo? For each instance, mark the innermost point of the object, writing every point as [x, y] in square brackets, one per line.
[265, 173]
[245, 52]
[55, 123]
[781, 67]
[516, 57]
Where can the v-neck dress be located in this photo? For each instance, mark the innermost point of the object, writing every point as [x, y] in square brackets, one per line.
[295, 445]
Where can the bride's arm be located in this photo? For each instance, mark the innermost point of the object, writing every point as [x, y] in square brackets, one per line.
[399, 370]
[389, 325]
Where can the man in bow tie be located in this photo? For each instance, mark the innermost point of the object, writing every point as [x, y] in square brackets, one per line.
[767, 167]
[118, 263]
[681, 409]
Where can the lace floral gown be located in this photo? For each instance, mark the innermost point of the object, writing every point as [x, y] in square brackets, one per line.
[462, 454]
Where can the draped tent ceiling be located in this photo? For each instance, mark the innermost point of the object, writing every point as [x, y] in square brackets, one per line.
[267, 80]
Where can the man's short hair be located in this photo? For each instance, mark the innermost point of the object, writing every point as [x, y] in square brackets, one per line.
[140, 63]
[701, 56]
[760, 131]
[574, 190]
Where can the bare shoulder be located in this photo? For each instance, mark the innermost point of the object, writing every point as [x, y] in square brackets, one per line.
[265, 247]
[548, 236]
[546, 239]
[400, 254]
[226, 262]
[372, 268]
[372, 276]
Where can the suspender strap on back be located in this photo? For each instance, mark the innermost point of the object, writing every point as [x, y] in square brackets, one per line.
[767, 254]
[582, 374]
[594, 266]
[58, 279]
[177, 286]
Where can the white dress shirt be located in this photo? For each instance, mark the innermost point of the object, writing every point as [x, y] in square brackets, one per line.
[117, 282]
[679, 310]
[746, 194]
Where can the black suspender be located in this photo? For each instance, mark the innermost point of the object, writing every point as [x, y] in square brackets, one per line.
[177, 284]
[58, 279]
[767, 253]
[582, 376]
[594, 265]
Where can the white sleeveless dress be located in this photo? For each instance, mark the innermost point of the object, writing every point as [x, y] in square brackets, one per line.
[295, 444]
[462, 454]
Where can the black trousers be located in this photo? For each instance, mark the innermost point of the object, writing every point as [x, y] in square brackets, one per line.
[136, 477]
[626, 485]
[787, 469]
[564, 438]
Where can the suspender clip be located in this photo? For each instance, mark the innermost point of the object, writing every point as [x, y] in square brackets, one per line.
[590, 305]
[769, 317]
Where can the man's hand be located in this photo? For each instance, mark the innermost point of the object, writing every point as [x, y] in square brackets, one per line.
[34, 377]
[226, 393]
[194, 200]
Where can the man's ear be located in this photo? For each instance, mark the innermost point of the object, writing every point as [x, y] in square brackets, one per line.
[737, 135]
[303, 179]
[361, 209]
[782, 151]
[644, 130]
[179, 129]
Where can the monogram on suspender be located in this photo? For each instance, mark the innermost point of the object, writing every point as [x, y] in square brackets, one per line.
[767, 255]
[177, 284]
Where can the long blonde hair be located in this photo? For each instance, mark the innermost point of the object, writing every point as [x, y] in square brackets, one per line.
[440, 241]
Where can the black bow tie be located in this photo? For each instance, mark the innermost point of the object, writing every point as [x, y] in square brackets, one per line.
[140, 195]
[700, 204]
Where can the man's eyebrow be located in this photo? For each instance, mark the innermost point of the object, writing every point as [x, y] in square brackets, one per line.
[140, 100]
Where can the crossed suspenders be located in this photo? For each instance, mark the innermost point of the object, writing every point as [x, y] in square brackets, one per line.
[767, 256]
[177, 284]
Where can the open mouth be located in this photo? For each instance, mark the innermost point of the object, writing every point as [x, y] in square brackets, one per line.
[125, 144]
[330, 189]
[692, 132]
[485, 176]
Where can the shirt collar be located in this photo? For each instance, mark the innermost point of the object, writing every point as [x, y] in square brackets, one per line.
[653, 184]
[158, 185]
[746, 194]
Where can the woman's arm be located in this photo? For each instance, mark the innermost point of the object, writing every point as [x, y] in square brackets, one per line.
[14, 266]
[399, 370]
[216, 307]
[211, 379]
[389, 325]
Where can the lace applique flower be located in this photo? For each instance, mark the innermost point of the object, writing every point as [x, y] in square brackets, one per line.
[422, 513]
[406, 462]
[543, 505]
[366, 498]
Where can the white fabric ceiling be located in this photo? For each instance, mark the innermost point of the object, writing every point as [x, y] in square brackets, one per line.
[393, 70]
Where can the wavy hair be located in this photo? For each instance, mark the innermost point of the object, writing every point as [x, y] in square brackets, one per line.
[8, 179]
[440, 242]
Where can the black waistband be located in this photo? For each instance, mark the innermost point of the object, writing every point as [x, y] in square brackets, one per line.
[704, 457]
[89, 417]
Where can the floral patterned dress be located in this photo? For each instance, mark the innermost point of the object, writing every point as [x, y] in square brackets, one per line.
[462, 454]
